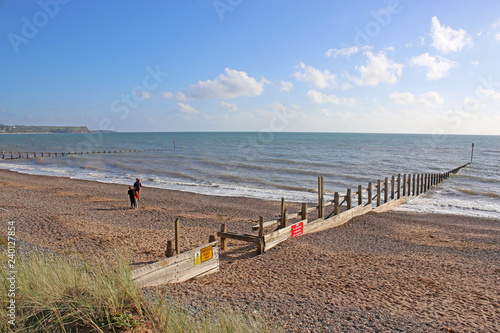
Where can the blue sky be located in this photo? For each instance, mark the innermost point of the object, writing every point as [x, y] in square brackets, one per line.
[396, 66]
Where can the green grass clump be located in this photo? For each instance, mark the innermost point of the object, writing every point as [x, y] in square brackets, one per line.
[55, 294]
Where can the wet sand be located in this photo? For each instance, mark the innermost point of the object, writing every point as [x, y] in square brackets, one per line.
[386, 272]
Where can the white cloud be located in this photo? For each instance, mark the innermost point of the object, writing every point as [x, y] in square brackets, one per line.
[286, 86]
[320, 98]
[437, 67]
[402, 98]
[318, 78]
[430, 99]
[178, 96]
[497, 36]
[226, 106]
[490, 93]
[186, 108]
[229, 85]
[496, 24]
[347, 51]
[445, 39]
[378, 69]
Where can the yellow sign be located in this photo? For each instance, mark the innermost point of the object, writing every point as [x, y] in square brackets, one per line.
[197, 260]
[207, 253]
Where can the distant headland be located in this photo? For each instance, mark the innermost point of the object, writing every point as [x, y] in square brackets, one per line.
[22, 129]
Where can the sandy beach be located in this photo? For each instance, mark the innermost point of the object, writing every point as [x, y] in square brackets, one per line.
[389, 272]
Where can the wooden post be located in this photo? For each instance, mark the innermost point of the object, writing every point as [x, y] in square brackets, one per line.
[429, 181]
[283, 213]
[260, 246]
[223, 240]
[336, 203]
[19, 154]
[386, 189]
[369, 189]
[177, 227]
[348, 199]
[56, 154]
[320, 198]
[472, 152]
[303, 212]
[170, 252]
[404, 186]
[424, 183]
[27, 154]
[3, 155]
[360, 195]
[42, 153]
[378, 192]
[211, 238]
[421, 183]
[399, 186]
[413, 185]
[284, 220]
[11, 154]
[392, 187]
[418, 184]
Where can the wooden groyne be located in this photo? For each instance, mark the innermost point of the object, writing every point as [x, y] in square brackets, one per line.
[379, 197]
[33, 154]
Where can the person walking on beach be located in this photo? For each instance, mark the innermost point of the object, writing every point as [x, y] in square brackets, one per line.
[137, 187]
[132, 195]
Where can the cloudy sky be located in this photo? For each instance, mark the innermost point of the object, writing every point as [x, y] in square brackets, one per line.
[397, 66]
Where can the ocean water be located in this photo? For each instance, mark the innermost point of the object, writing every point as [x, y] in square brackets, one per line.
[275, 165]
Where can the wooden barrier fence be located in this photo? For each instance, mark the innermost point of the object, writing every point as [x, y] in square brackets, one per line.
[389, 193]
[20, 154]
[179, 267]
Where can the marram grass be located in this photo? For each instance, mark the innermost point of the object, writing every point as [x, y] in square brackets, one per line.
[55, 294]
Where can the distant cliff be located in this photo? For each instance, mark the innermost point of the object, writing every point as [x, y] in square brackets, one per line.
[20, 129]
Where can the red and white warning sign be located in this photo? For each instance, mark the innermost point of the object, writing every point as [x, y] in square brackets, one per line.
[297, 229]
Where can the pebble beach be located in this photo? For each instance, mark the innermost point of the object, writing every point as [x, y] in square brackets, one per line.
[387, 272]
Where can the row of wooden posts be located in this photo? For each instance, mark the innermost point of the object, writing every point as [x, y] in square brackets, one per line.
[27, 154]
[389, 192]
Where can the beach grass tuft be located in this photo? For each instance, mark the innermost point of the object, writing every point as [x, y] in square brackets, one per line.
[70, 294]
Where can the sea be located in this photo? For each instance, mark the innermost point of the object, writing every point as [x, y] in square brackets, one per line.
[272, 166]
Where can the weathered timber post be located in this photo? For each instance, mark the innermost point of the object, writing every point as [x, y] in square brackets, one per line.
[321, 208]
[392, 187]
[336, 203]
[369, 189]
[418, 182]
[283, 213]
[27, 154]
[62, 154]
[409, 184]
[404, 186]
[170, 252]
[211, 238]
[399, 186]
[260, 246]
[378, 192]
[429, 181]
[303, 211]
[177, 227]
[360, 195]
[284, 220]
[421, 184]
[413, 185]
[424, 183]
[34, 154]
[56, 154]
[42, 153]
[11, 154]
[472, 152]
[223, 240]
[386, 189]
[348, 199]
[3, 155]
[19, 154]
